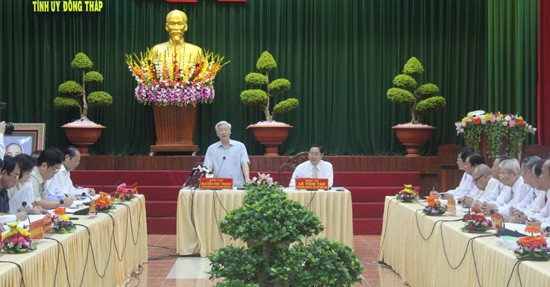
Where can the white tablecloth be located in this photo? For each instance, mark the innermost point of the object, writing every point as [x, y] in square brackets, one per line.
[200, 211]
[424, 258]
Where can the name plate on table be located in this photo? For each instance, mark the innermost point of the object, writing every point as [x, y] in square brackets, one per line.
[37, 229]
[216, 183]
[312, 183]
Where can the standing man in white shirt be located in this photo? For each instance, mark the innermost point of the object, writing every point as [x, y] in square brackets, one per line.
[228, 158]
[61, 184]
[315, 167]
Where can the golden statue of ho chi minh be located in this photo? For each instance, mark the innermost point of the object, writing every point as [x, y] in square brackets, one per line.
[187, 54]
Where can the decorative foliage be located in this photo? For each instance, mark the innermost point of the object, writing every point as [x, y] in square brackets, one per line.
[476, 222]
[73, 94]
[17, 239]
[407, 194]
[269, 223]
[532, 247]
[166, 82]
[422, 100]
[434, 206]
[498, 128]
[262, 98]
[61, 222]
[125, 192]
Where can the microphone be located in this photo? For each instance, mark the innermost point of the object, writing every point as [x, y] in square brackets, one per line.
[221, 165]
[194, 172]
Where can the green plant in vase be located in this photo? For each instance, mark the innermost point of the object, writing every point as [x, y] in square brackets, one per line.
[75, 95]
[420, 100]
[265, 92]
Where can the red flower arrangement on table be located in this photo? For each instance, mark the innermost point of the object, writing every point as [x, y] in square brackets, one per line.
[407, 194]
[434, 206]
[17, 239]
[532, 247]
[476, 222]
[104, 202]
[61, 222]
[125, 192]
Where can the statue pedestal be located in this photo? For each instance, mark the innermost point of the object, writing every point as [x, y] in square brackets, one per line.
[174, 128]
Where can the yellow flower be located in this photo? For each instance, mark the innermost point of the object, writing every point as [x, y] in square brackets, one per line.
[23, 232]
[13, 224]
[464, 119]
[64, 217]
[487, 117]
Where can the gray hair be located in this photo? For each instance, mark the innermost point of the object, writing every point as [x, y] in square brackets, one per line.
[222, 123]
[511, 165]
[482, 169]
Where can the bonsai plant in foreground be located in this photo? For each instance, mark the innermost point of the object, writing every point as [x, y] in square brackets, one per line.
[269, 132]
[419, 100]
[83, 132]
[269, 222]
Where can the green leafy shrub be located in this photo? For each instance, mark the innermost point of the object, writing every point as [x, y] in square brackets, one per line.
[74, 95]
[270, 222]
[262, 98]
[422, 100]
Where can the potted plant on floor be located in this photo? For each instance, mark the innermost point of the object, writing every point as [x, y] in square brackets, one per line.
[419, 100]
[270, 222]
[82, 132]
[269, 132]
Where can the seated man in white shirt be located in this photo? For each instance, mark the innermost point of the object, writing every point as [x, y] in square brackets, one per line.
[510, 175]
[47, 164]
[61, 184]
[485, 187]
[468, 186]
[534, 201]
[315, 167]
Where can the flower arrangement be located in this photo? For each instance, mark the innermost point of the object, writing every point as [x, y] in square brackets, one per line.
[61, 222]
[17, 239]
[532, 247]
[407, 194]
[498, 128]
[263, 179]
[476, 222]
[104, 202]
[420, 100]
[434, 206]
[167, 82]
[125, 192]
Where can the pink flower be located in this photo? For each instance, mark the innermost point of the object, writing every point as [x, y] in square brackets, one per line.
[512, 124]
[505, 124]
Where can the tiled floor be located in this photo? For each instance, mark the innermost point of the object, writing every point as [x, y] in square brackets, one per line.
[166, 269]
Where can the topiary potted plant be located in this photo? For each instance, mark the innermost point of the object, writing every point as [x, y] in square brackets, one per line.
[419, 100]
[82, 132]
[270, 222]
[269, 132]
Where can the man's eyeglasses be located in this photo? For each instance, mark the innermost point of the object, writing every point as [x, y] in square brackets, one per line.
[16, 175]
[314, 154]
[477, 178]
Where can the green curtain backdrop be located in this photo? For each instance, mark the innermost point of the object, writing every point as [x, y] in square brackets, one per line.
[340, 56]
[512, 57]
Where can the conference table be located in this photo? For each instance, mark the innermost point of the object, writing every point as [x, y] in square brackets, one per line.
[103, 251]
[433, 251]
[200, 211]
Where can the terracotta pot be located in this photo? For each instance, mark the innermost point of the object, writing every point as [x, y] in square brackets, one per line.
[83, 136]
[175, 128]
[413, 137]
[271, 136]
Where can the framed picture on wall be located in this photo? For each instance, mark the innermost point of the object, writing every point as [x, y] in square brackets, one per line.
[26, 138]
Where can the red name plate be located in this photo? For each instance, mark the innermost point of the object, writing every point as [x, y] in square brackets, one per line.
[37, 229]
[216, 183]
[312, 183]
[47, 224]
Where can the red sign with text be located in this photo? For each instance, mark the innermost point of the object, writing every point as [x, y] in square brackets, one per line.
[216, 183]
[312, 183]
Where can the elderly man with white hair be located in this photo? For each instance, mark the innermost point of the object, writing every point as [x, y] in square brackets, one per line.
[228, 158]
